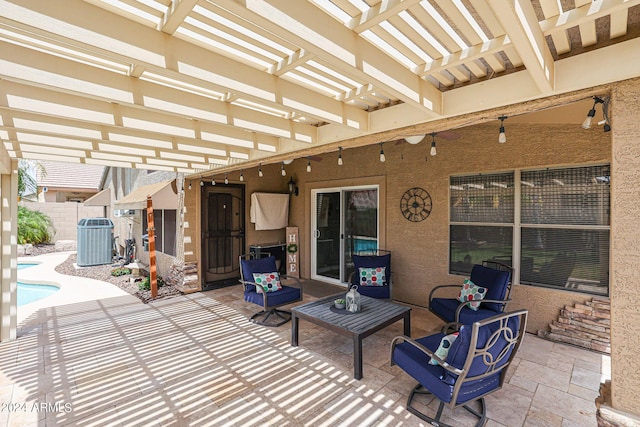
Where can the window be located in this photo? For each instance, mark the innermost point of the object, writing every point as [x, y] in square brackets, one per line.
[481, 220]
[165, 232]
[561, 227]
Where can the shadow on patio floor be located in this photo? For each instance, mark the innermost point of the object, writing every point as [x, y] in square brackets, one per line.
[197, 360]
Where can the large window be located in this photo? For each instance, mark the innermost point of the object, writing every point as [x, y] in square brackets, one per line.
[165, 230]
[560, 226]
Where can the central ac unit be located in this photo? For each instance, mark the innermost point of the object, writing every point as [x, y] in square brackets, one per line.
[123, 212]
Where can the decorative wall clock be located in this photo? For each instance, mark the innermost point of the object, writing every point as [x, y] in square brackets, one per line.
[415, 204]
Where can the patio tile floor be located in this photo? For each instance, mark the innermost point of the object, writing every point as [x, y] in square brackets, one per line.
[196, 360]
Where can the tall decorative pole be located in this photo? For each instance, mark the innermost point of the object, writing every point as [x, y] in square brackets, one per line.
[152, 249]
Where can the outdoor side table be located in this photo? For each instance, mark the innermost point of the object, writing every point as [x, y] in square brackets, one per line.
[375, 315]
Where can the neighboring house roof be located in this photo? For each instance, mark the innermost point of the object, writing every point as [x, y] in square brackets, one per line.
[70, 175]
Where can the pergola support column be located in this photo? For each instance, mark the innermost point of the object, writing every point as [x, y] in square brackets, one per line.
[8, 252]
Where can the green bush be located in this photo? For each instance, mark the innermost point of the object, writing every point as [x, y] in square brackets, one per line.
[145, 284]
[34, 227]
[120, 271]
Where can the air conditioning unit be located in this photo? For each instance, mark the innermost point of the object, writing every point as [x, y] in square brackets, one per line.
[123, 212]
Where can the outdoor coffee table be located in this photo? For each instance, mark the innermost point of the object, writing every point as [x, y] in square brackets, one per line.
[375, 315]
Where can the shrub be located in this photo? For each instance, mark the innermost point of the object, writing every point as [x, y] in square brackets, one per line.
[120, 271]
[34, 227]
[145, 284]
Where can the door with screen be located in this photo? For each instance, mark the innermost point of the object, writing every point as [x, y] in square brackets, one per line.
[223, 234]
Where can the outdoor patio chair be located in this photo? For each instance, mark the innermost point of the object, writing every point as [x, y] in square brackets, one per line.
[461, 371]
[494, 277]
[264, 286]
[372, 274]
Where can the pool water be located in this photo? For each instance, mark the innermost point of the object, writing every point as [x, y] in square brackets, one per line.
[28, 293]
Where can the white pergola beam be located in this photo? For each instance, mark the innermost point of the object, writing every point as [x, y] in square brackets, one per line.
[302, 23]
[132, 43]
[108, 88]
[175, 15]
[520, 23]
[379, 13]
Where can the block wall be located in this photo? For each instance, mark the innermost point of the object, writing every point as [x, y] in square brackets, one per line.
[65, 216]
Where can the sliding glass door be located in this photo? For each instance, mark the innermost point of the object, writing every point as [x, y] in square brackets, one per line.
[344, 222]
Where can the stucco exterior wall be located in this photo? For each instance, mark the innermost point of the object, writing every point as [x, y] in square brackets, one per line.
[421, 250]
[625, 238]
[122, 182]
[65, 216]
[271, 182]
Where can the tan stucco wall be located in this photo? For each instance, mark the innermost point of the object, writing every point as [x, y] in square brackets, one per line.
[625, 244]
[421, 250]
[121, 182]
[271, 182]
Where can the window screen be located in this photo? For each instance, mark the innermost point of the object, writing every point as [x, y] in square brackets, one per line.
[577, 196]
[482, 198]
[574, 253]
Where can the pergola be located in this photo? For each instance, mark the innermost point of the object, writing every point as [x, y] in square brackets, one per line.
[191, 86]
[212, 86]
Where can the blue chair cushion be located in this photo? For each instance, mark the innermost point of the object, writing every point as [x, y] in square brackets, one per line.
[371, 261]
[495, 281]
[416, 363]
[380, 292]
[281, 297]
[437, 380]
[259, 265]
[446, 309]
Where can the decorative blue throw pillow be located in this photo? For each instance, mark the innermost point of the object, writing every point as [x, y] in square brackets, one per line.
[443, 349]
[374, 276]
[268, 282]
[472, 293]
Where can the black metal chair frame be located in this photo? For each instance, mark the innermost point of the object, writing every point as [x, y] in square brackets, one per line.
[261, 317]
[491, 364]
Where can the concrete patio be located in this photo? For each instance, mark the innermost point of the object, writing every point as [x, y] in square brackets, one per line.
[197, 360]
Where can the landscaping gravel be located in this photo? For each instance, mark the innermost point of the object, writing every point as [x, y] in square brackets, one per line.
[103, 272]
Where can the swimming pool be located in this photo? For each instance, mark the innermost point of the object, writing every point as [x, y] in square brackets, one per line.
[28, 293]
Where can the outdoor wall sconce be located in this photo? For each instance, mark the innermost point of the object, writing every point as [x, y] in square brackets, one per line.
[293, 188]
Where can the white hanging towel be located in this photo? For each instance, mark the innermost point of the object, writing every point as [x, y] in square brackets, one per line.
[269, 211]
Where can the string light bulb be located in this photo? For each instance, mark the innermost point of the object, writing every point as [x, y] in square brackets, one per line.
[340, 156]
[502, 137]
[213, 181]
[260, 174]
[282, 170]
[592, 112]
[382, 156]
[241, 176]
[189, 184]
[308, 165]
[226, 178]
[433, 151]
[201, 183]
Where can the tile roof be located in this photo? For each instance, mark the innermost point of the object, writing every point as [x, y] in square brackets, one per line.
[70, 175]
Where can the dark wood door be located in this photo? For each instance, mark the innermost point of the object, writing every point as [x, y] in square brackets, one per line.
[223, 234]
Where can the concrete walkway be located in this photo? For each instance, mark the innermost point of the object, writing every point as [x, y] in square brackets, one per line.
[72, 288]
